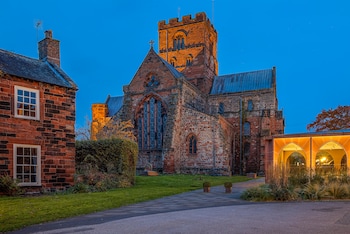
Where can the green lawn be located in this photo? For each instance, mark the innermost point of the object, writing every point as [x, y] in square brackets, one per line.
[18, 212]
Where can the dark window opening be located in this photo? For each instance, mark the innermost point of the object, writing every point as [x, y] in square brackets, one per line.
[246, 151]
[250, 105]
[179, 43]
[192, 149]
[221, 108]
[246, 129]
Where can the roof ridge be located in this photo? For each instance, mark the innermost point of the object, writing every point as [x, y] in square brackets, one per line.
[20, 55]
[246, 72]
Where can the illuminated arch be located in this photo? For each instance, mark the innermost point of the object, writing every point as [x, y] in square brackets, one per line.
[287, 151]
[330, 156]
[296, 162]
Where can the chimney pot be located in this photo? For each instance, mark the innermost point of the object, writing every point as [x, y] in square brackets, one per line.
[48, 34]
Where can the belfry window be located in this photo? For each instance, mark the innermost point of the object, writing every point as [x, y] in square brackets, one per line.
[179, 43]
[150, 125]
[192, 144]
[173, 61]
[175, 43]
[189, 60]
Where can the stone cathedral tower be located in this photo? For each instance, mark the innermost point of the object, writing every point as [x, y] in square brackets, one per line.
[191, 47]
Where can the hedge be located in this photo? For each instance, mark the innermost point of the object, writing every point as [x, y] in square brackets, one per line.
[117, 156]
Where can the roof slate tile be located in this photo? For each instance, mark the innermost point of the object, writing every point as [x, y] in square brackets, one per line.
[241, 82]
[33, 69]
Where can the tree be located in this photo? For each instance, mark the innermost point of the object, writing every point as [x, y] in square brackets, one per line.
[117, 129]
[84, 132]
[108, 129]
[332, 119]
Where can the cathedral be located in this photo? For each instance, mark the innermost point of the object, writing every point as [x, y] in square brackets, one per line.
[189, 119]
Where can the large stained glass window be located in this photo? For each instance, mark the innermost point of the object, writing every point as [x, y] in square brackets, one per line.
[151, 123]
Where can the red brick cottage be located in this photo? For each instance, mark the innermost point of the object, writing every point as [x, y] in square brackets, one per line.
[37, 117]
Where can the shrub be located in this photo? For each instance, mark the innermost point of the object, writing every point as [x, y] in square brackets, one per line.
[80, 188]
[282, 192]
[9, 186]
[260, 193]
[344, 178]
[300, 178]
[313, 191]
[96, 159]
[300, 184]
[317, 179]
[336, 190]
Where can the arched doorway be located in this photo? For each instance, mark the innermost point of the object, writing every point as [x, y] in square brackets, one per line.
[292, 157]
[324, 162]
[296, 162]
[331, 157]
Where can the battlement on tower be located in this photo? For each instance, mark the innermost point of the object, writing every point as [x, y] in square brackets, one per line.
[187, 19]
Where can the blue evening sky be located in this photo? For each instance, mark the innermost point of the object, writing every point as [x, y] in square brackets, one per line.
[104, 42]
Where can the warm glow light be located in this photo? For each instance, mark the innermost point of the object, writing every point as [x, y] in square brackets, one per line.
[323, 159]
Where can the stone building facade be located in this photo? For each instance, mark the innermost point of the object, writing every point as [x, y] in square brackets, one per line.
[188, 118]
[37, 119]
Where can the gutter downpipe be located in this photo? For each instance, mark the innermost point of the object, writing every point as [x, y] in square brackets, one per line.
[240, 137]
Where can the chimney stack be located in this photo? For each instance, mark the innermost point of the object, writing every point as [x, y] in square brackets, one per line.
[49, 49]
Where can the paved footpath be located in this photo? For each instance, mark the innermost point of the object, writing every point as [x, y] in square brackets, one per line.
[214, 212]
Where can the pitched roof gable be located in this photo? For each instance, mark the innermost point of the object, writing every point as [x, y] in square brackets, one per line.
[171, 68]
[33, 69]
[242, 82]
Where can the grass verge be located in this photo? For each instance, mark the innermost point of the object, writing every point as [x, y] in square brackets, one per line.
[19, 212]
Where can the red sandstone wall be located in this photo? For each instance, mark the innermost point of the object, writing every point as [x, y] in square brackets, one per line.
[54, 132]
[262, 126]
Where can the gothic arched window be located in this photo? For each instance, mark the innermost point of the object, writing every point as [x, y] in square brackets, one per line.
[151, 122]
[192, 144]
